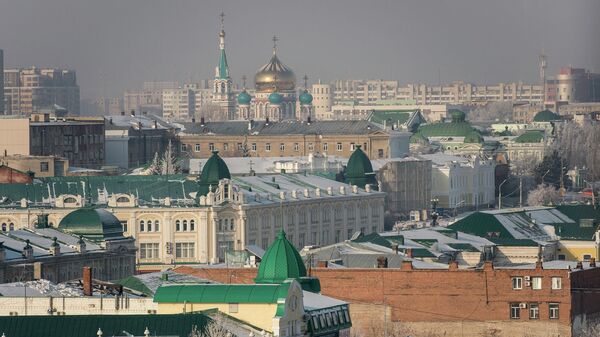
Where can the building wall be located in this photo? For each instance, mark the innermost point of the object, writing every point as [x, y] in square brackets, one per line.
[48, 166]
[1, 82]
[376, 145]
[450, 302]
[407, 185]
[39, 306]
[9, 175]
[322, 101]
[14, 136]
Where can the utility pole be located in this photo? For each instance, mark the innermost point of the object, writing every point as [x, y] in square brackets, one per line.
[520, 191]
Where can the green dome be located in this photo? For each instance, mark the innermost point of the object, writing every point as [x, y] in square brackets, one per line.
[213, 171]
[359, 170]
[92, 223]
[305, 98]
[281, 261]
[275, 98]
[474, 137]
[244, 98]
[545, 116]
[457, 116]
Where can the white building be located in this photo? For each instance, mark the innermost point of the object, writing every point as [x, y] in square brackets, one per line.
[462, 181]
[178, 104]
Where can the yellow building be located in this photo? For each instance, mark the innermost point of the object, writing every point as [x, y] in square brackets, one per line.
[283, 302]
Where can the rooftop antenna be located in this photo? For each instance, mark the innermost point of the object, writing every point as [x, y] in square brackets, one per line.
[275, 39]
[244, 81]
[305, 78]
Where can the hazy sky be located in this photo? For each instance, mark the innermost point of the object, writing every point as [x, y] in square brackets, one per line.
[117, 44]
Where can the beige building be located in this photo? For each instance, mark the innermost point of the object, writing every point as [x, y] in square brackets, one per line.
[352, 111]
[149, 99]
[322, 101]
[41, 166]
[31, 90]
[178, 104]
[1, 82]
[290, 138]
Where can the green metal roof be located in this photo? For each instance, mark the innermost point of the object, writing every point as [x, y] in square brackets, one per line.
[481, 224]
[223, 67]
[473, 137]
[443, 129]
[111, 325]
[275, 98]
[586, 220]
[545, 116]
[213, 171]
[359, 170]
[222, 293]
[390, 116]
[530, 136]
[281, 261]
[457, 116]
[418, 138]
[92, 223]
[465, 247]
[132, 282]
[145, 188]
[305, 97]
[374, 238]
[513, 242]
[244, 98]
[419, 252]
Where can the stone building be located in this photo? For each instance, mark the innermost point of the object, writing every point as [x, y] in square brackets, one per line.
[84, 237]
[176, 220]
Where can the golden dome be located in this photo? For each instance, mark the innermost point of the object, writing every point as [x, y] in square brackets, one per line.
[274, 76]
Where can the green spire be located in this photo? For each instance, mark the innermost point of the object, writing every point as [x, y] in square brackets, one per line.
[223, 68]
[281, 261]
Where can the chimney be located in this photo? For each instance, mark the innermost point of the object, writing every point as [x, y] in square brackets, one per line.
[132, 113]
[579, 265]
[488, 265]
[2, 252]
[308, 120]
[28, 250]
[593, 262]
[155, 124]
[382, 262]
[80, 245]
[453, 265]
[87, 281]
[267, 121]
[54, 247]
[110, 121]
[408, 252]
[193, 120]
[406, 265]
[201, 121]
[122, 113]
[395, 248]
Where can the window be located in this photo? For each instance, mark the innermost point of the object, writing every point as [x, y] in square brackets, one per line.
[197, 148]
[562, 257]
[183, 147]
[339, 146]
[240, 146]
[4, 227]
[311, 147]
[352, 147]
[185, 225]
[534, 311]
[536, 283]
[587, 257]
[177, 226]
[380, 153]
[268, 147]
[149, 226]
[296, 147]
[149, 251]
[515, 311]
[211, 146]
[44, 166]
[192, 225]
[253, 146]
[282, 146]
[556, 283]
[11, 226]
[225, 146]
[124, 225]
[553, 310]
[517, 283]
[325, 147]
[142, 224]
[156, 226]
[184, 250]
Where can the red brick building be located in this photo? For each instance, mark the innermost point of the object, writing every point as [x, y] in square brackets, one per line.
[535, 300]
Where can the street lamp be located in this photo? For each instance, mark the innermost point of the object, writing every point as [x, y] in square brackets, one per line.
[500, 193]
[544, 175]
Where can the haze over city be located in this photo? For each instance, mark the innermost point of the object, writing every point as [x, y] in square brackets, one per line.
[114, 45]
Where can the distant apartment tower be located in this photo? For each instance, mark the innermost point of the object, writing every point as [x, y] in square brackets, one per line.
[1, 82]
[107, 106]
[32, 90]
[322, 100]
[178, 104]
[577, 85]
[149, 99]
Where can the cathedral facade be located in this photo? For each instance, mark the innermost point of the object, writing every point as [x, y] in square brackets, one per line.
[275, 96]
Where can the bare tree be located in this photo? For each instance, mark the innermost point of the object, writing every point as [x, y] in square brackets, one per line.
[523, 165]
[578, 145]
[491, 112]
[590, 330]
[169, 164]
[154, 167]
[543, 195]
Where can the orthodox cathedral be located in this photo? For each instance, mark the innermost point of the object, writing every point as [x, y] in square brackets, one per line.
[275, 96]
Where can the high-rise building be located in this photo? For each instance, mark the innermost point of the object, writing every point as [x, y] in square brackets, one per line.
[1, 82]
[577, 85]
[149, 99]
[33, 90]
[106, 106]
[178, 104]
[322, 101]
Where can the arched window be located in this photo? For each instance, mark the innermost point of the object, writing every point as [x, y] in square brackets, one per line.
[149, 225]
[156, 226]
[232, 224]
[142, 226]
[122, 199]
[192, 225]
[184, 225]
[70, 200]
[11, 226]
[177, 226]
[4, 227]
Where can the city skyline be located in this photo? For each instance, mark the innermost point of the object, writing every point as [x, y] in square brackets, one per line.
[410, 42]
